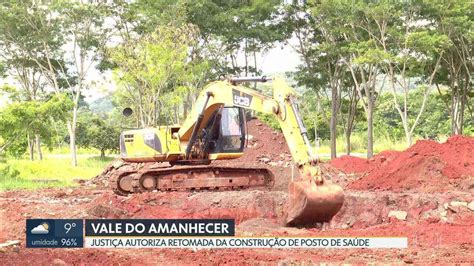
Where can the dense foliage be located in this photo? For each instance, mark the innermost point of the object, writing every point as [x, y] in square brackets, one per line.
[383, 70]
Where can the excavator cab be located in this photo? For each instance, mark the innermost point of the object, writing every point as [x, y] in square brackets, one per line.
[232, 130]
[225, 133]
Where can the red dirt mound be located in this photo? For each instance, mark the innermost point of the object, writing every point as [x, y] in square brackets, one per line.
[264, 143]
[356, 165]
[266, 148]
[427, 166]
[351, 164]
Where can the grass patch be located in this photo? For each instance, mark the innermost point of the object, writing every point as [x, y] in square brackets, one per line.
[359, 146]
[50, 172]
[59, 168]
[66, 150]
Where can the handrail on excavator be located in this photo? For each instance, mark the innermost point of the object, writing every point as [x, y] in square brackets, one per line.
[235, 80]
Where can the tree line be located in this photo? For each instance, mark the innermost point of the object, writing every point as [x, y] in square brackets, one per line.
[365, 65]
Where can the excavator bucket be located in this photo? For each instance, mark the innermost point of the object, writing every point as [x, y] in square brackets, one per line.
[312, 203]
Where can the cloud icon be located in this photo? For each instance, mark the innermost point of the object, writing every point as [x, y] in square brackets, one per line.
[41, 229]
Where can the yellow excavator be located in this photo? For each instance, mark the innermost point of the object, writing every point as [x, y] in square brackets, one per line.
[174, 158]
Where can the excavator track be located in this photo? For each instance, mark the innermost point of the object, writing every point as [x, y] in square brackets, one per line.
[131, 178]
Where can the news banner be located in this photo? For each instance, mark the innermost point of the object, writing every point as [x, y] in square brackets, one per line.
[176, 233]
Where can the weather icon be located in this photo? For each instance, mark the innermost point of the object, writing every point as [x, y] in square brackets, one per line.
[41, 229]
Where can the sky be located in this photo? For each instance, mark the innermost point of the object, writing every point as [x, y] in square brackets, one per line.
[280, 59]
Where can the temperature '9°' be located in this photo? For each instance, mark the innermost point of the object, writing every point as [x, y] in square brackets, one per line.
[69, 226]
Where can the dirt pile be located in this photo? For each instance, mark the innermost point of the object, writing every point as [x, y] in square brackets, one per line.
[265, 145]
[427, 166]
[351, 164]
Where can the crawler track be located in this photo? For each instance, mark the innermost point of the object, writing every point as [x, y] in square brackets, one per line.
[141, 177]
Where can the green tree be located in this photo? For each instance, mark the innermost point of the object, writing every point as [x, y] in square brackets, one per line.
[98, 132]
[337, 60]
[34, 32]
[21, 121]
[411, 54]
[85, 29]
[455, 19]
[149, 67]
[18, 46]
[245, 27]
[318, 39]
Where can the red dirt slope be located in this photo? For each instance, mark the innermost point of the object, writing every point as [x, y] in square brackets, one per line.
[351, 164]
[427, 166]
[264, 142]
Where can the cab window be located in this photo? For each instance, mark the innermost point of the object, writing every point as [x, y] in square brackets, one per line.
[231, 130]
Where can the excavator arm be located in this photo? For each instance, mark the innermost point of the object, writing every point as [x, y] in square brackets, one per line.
[312, 198]
[229, 93]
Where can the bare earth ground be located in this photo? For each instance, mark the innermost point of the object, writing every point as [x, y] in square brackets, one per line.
[438, 222]
[438, 230]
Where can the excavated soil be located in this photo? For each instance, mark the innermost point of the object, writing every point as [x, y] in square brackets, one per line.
[437, 222]
[265, 145]
[438, 226]
[350, 164]
[427, 166]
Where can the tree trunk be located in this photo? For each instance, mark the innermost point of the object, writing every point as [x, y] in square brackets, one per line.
[452, 110]
[350, 119]
[409, 138]
[370, 128]
[38, 147]
[71, 126]
[31, 147]
[333, 133]
[316, 137]
[463, 104]
[348, 142]
[72, 143]
[406, 128]
[102, 154]
[187, 103]
[455, 110]
[333, 122]
[246, 59]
